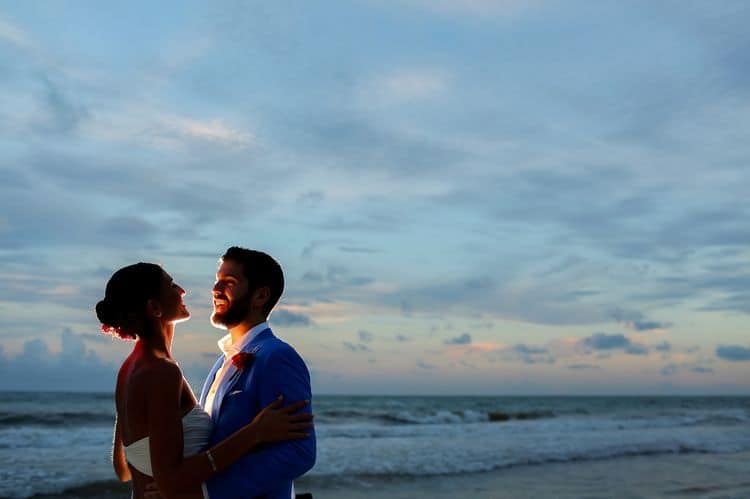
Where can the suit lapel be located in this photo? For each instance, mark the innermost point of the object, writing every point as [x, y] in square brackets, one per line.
[231, 377]
[222, 390]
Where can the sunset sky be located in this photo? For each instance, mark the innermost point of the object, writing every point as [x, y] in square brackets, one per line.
[467, 197]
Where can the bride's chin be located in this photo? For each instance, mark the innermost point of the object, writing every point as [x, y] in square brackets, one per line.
[182, 319]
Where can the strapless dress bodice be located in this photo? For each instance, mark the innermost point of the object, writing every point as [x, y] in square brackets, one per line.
[196, 430]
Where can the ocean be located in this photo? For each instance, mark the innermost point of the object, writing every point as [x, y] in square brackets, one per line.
[58, 444]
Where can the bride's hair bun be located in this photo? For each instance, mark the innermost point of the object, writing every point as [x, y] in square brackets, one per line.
[104, 312]
[122, 311]
[112, 321]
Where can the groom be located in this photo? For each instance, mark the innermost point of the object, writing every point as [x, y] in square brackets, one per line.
[248, 285]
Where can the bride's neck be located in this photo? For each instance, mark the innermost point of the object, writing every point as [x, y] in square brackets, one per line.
[160, 343]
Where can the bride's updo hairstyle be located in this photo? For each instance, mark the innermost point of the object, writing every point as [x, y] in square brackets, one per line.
[122, 312]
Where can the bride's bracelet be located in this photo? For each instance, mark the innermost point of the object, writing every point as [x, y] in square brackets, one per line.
[211, 460]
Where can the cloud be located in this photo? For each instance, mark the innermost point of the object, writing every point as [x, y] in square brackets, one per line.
[311, 199]
[58, 113]
[733, 353]
[356, 347]
[516, 170]
[670, 370]
[533, 355]
[14, 35]
[312, 276]
[111, 213]
[135, 227]
[630, 228]
[480, 8]
[43, 224]
[358, 146]
[365, 336]
[210, 131]
[424, 365]
[97, 337]
[538, 302]
[287, 318]
[354, 249]
[663, 347]
[464, 339]
[73, 346]
[603, 341]
[160, 129]
[674, 369]
[309, 250]
[634, 320]
[649, 325]
[608, 342]
[409, 84]
[402, 339]
[637, 350]
[583, 366]
[338, 281]
[734, 302]
[73, 368]
[527, 350]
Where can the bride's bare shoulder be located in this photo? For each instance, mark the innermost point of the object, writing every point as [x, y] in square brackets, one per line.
[149, 372]
[157, 368]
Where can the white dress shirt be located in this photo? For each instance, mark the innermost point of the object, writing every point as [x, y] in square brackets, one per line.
[229, 350]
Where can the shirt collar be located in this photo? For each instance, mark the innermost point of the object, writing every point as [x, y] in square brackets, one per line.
[229, 349]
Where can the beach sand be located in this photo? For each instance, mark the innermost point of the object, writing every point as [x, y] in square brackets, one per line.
[704, 476]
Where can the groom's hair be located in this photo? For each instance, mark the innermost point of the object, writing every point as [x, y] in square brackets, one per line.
[260, 269]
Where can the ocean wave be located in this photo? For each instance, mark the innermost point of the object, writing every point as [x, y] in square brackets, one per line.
[721, 419]
[52, 444]
[55, 419]
[405, 417]
[521, 416]
[484, 449]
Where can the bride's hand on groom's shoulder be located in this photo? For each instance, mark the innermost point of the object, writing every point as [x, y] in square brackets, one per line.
[278, 424]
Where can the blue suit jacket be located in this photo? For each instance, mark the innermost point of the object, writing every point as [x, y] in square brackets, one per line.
[268, 472]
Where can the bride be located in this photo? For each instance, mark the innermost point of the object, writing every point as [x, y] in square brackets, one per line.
[161, 432]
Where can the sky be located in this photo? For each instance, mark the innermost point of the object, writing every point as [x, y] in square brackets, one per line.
[509, 197]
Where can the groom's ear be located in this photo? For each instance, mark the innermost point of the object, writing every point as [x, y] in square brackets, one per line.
[261, 296]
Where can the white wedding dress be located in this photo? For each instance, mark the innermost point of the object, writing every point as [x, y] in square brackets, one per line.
[196, 429]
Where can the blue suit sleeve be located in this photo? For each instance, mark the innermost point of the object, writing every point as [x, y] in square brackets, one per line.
[273, 467]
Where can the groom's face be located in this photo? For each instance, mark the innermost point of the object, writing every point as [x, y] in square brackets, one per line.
[231, 296]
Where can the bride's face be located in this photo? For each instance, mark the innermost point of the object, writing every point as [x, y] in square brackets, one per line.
[173, 309]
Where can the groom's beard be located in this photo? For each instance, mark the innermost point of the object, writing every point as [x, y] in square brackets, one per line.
[233, 315]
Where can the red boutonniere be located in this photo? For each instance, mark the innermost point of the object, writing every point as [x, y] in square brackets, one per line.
[243, 360]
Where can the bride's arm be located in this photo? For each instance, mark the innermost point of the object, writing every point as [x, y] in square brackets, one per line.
[118, 455]
[174, 474]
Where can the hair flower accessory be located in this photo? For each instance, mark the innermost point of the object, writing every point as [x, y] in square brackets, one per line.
[243, 360]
